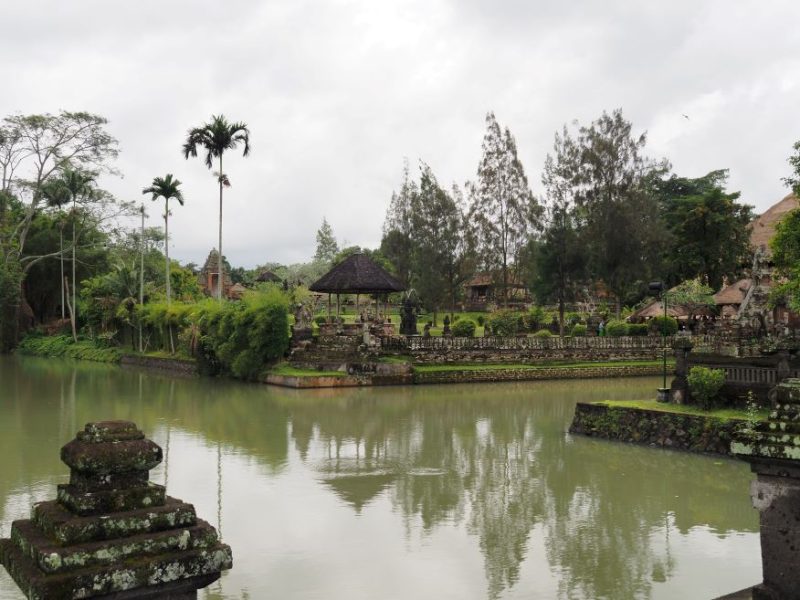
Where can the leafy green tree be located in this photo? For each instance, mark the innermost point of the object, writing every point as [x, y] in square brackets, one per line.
[693, 295]
[793, 181]
[503, 208]
[708, 228]
[34, 149]
[215, 138]
[621, 228]
[167, 188]
[327, 247]
[785, 244]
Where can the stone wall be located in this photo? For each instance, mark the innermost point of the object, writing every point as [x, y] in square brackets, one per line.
[554, 372]
[526, 350]
[694, 433]
[172, 365]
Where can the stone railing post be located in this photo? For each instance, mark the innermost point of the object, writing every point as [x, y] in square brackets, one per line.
[112, 533]
[773, 450]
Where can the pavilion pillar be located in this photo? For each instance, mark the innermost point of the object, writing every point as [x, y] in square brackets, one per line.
[329, 307]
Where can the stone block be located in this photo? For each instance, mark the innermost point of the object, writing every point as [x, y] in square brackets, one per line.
[84, 503]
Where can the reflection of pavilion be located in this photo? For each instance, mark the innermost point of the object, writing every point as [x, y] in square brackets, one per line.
[359, 489]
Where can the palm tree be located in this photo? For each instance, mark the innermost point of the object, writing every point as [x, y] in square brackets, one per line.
[215, 138]
[167, 188]
[70, 186]
[79, 185]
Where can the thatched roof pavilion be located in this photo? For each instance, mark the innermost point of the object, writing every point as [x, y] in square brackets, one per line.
[357, 274]
[762, 229]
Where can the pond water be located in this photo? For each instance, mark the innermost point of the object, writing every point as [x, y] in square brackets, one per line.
[468, 492]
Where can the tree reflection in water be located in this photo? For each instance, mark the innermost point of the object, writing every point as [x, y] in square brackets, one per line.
[493, 459]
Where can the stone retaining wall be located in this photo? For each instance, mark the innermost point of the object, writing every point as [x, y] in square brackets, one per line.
[554, 372]
[694, 433]
[172, 365]
[528, 350]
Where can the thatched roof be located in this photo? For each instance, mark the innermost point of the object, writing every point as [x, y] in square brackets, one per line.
[763, 227]
[656, 309]
[733, 293]
[357, 274]
[488, 280]
[269, 277]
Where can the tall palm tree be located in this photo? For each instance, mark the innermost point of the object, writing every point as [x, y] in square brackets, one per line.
[79, 184]
[166, 188]
[215, 138]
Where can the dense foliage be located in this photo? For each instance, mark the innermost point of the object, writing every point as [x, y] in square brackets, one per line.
[464, 328]
[705, 384]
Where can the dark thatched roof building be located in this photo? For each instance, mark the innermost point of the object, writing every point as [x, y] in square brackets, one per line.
[357, 274]
[268, 277]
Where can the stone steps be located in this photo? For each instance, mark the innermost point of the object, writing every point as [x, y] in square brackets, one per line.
[173, 568]
[53, 558]
[65, 528]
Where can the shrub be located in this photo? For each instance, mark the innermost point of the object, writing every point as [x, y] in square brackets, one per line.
[637, 329]
[464, 328]
[578, 330]
[504, 323]
[543, 333]
[536, 317]
[616, 328]
[705, 384]
[481, 320]
[242, 337]
[321, 319]
[657, 325]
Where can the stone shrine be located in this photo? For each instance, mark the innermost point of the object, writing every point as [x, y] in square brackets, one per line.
[111, 533]
[773, 450]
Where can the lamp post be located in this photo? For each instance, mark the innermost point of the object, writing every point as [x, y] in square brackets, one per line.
[657, 287]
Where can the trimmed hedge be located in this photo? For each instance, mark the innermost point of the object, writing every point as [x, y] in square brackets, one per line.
[464, 328]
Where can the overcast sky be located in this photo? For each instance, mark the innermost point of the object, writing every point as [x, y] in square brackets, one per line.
[336, 93]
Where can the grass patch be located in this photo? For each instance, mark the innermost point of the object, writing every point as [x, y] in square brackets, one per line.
[725, 414]
[62, 346]
[290, 371]
[543, 365]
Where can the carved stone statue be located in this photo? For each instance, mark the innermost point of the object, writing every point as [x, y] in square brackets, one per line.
[408, 316]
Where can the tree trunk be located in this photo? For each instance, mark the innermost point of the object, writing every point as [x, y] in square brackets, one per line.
[561, 316]
[166, 246]
[61, 255]
[221, 268]
[74, 307]
[141, 280]
[71, 311]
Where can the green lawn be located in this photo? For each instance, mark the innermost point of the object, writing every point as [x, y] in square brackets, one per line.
[289, 371]
[685, 409]
[543, 365]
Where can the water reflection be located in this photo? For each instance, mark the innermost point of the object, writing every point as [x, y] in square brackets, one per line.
[551, 515]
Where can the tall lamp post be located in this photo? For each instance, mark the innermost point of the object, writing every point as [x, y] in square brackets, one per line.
[657, 287]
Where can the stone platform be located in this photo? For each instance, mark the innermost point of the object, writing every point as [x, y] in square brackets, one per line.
[110, 533]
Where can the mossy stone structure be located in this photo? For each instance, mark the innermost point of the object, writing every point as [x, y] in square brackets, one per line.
[773, 450]
[111, 533]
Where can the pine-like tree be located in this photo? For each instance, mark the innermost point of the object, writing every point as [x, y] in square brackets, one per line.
[327, 247]
[503, 208]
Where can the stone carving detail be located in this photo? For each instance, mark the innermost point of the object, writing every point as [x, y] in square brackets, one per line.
[111, 531]
[773, 450]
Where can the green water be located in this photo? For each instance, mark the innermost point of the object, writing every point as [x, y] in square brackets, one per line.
[465, 492]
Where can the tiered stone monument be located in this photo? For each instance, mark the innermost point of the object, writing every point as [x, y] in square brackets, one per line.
[111, 533]
[773, 450]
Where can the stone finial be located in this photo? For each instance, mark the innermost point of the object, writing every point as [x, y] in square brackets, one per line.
[772, 448]
[111, 532]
